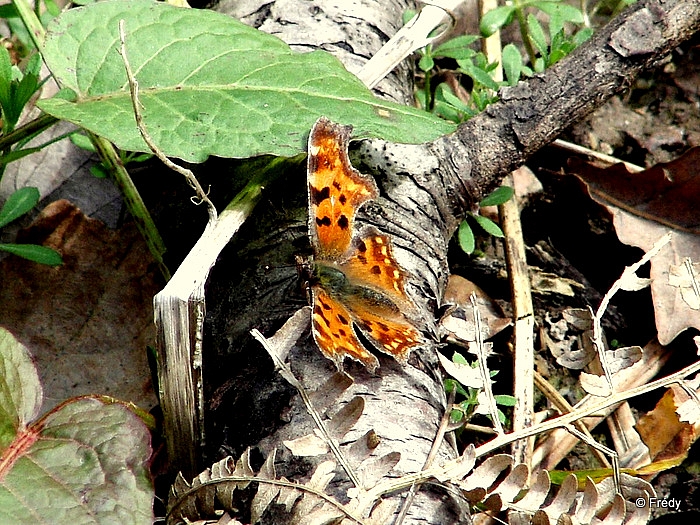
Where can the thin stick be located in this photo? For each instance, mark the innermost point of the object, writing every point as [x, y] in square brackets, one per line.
[201, 196]
[286, 372]
[616, 287]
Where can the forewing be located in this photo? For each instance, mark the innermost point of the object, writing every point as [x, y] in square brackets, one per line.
[336, 190]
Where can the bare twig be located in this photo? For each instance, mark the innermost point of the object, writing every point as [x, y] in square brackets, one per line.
[564, 407]
[287, 373]
[201, 195]
[627, 274]
[481, 349]
[406, 481]
[596, 155]
[588, 440]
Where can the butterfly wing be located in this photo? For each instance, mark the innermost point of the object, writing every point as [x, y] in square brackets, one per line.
[336, 190]
[356, 278]
[333, 332]
[387, 329]
[371, 262]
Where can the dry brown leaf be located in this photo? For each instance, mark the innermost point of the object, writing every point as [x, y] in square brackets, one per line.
[328, 393]
[361, 448]
[626, 508]
[510, 487]
[88, 322]
[645, 206]
[288, 496]
[341, 423]
[664, 434]
[458, 321]
[537, 493]
[570, 342]
[546, 283]
[689, 406]
[617, 359]
[198, 500]
[487, 473]
[309, 445]
[667, 193]
[373, 469]
[382, 513]
[589, 502]
[564, 499]
[322, 476]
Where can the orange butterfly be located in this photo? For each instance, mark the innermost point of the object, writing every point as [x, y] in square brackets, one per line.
[355, 280]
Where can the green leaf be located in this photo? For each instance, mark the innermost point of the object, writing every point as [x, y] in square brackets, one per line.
[16, 155]
[34, 252]
[537, 36]
[583, 35]
[457, 48]
[488, 225]
[505, 400]
[496, 19]
[99, 171]
[8, 11]
[459, 359]
[20, 390]
[479, 75]
[17, 204]
[512, 63]
[497, 196]
[86, 461]
[83, 142]
[209, 85]
[426, 63]
[453, 384]
[445, 93]
[564, 12]
[465, 236]
[16, 88]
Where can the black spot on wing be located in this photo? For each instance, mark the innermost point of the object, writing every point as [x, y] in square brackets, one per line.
[318, 196]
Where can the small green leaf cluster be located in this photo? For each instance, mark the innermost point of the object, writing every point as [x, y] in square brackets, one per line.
[540, 53]
[465, 234]
[16, 87]
[19, 86]
[543, 48]
[19, 203]
[467, 402]
[470, 63]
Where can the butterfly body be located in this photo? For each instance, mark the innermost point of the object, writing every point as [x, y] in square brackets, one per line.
[355, 279]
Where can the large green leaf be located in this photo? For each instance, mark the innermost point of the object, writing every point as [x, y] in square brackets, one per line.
[209, 85]
[85, 462]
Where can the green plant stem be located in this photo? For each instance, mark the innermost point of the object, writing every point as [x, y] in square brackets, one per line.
[522, 23]
[426, 88]
[27, 131]
[109, 156]
[31, 22]
[133, 200]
